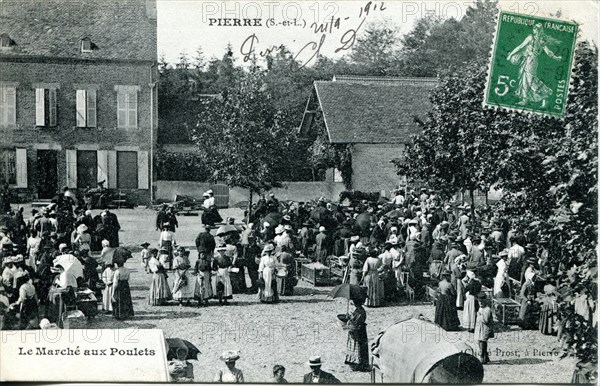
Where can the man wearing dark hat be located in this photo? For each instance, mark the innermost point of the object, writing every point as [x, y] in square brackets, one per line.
[317, 375]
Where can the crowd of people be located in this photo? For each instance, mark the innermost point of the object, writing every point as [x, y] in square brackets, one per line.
[407, 246]
[46, 261]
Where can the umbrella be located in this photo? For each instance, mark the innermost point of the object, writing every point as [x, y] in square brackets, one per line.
[70, 263]
[120, 255]
[363, 221]
[348, 291]
[175, 343]
[273, 218]
[226, 229]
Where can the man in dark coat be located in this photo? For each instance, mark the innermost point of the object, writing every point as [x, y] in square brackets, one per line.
[111, 227]
[317, 375]
[205, 242]
[161, 217]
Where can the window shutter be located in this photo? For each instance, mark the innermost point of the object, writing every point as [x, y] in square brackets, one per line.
[40, 110]
[102, 165]
[11, 103]
[121, 109]
[142, 169]
[3, 105]
[21, 163]
[91, 108]
[81, 109]
[72, 168]
[132, 109]
[112, 169]
[52, 107]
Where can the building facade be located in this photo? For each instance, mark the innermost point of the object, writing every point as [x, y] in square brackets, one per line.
[376, 116]
[77, 96]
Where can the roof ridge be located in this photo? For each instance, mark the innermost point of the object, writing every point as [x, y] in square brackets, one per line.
[384, 80]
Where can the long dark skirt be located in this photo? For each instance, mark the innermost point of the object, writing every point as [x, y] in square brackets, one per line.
[528, 314]
[29, 315]
[548, 319]
[357, 349]
[123, 305]
[238, 281]
[285, 284]
[446, 315]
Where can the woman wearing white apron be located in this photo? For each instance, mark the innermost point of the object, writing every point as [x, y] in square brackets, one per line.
[266, 272]
[501, 275]
[221, 264]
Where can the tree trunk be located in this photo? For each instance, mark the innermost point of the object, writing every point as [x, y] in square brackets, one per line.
[249, 208]
[472, 196]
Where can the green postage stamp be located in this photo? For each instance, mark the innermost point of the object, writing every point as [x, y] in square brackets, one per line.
[531, 64]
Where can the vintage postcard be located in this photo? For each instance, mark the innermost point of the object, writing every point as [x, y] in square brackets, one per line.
[304, 191]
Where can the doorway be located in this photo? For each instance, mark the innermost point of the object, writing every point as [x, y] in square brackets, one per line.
[47, 173]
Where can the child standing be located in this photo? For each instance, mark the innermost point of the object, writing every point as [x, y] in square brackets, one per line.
[107, 292]
[144, 257]
[484, 328]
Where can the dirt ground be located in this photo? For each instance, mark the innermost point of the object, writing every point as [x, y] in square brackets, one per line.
[301, 325]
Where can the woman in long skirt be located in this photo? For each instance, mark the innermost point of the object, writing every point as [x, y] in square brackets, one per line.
[446, 315]
[27, 303]
[472, 290]
[202, 270]
[285, 276]
[357, 345]
[549, 309]
[122, 303]
[527, 313]
[183, 288]
[221, 263]
[457, 276]
[266, 272]
[159, 288]
[107, 292]
[371, 279]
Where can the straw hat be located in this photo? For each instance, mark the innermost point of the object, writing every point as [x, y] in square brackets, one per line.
[314, 361]
[229, 356]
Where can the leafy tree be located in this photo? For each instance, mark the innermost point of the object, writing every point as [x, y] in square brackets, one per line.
[240, 137]
[435, 46]
[374, 51]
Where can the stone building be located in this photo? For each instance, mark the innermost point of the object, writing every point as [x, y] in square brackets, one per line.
[77, 95]
[376, 115]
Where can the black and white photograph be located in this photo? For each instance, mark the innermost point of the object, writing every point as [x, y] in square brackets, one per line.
[351, 191]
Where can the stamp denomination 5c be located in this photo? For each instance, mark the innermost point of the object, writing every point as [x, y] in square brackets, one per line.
[531, 63]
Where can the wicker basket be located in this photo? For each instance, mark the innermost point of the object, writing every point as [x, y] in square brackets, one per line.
[74, 320]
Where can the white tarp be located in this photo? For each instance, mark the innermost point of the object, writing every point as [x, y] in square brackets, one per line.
[107, 355]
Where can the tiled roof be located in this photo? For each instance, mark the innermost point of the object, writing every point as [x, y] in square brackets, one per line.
[118, 29]
[369, 110]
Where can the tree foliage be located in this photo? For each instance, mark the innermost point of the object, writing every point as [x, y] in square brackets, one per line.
[240, 137]
[546, 167]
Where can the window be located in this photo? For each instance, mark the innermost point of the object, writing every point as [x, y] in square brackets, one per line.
[8, 166]
[337, 176]
[8, 104]
[127, 107]
[86, 45]
[127, 170]
[86, 108]
[45, 107]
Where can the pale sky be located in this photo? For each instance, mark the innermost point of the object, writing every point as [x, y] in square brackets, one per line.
[184, 25]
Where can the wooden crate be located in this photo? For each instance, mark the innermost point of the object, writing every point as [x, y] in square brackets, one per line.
[488, 292]
[316, 276]
[506, 310]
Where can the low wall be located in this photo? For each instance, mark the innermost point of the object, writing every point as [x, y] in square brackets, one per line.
[294, 191]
